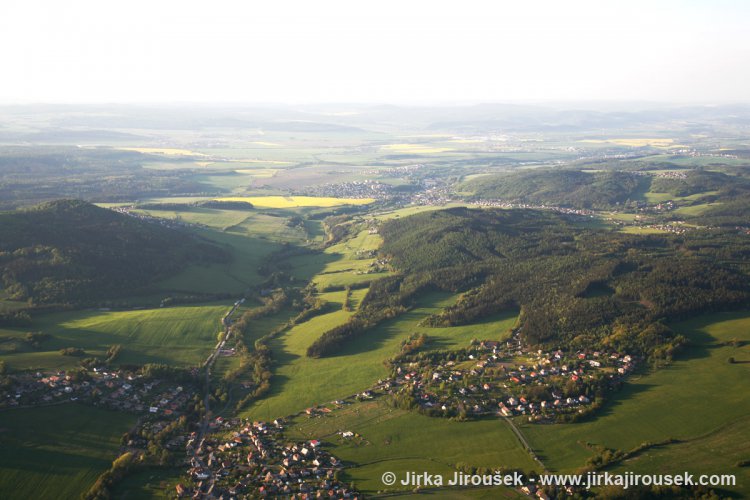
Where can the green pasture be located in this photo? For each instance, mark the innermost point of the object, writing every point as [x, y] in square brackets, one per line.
[149, 482]
[389, 439]
[181, 336]
[57, 451]
[346, 263]
[696, 400]
[698, 209]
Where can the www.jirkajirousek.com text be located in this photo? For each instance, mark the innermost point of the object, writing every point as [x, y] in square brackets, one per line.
[628, 479]
[588, 480]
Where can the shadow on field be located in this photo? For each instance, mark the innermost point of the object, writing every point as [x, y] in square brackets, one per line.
[618, 398]
[37, 459]
[401, 325]
[281, 357]
[700, 341]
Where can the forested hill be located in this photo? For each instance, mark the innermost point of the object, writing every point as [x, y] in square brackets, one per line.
[575, 286]
[701, 181]
[570, 188]
[456, 236]
[73, 252]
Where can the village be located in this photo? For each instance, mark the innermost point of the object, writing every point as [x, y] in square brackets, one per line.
[494, 378]
[240, 459]
[114, 389]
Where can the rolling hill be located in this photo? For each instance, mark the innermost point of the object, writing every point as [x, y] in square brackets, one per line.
[72, 252]
[572, 188]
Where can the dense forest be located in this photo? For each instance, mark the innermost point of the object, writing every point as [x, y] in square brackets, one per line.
[573, 188]
[575, 286]
[72, 252]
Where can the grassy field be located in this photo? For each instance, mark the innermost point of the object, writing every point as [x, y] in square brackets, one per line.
[656, 197]
[248, 253]
[642, 230]
[250, 236]
[701, 399]
[152, 482]
[297, 201]
[395, 440]
[58, 451]
[300, 381]
[698, 209]
[345, 263]
[181, 336]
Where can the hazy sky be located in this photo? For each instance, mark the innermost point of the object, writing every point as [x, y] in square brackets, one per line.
[373, 51]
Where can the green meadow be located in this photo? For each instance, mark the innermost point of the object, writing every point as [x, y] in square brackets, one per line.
[702, 400]
[182, 336]
[150, 482]
[58, 451]
[233, 277]
[348, 262]
[300, 381]
[252, 238]
[389, 439]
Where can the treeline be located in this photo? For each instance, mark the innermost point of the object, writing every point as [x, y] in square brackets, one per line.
[159, 371]
[173, 300]
[575, 286]
[101, 490]
[155, 440]
[216, 204]
[255, 362]
[17, 317]
[387, 298]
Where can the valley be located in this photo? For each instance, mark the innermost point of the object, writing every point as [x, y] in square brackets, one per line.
[409, 293]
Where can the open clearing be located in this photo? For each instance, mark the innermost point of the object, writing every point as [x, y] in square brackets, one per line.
[181, 336]
[398, 441]
[711, 394]
[349, 262]
[57, 451]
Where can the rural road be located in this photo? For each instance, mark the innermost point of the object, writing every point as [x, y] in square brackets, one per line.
[524, 443]
[226, 322]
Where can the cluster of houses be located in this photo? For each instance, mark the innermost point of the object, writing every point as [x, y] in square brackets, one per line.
[171, 223]
[252, 460]
[118, 390]
[432, 192]
[507, 379]
[671, 174]
[676, 227]
[509, 205]
[353, 189]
